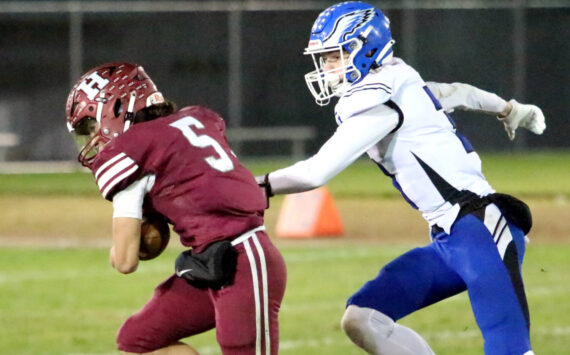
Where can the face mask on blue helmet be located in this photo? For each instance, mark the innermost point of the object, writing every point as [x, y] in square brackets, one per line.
[351, 27]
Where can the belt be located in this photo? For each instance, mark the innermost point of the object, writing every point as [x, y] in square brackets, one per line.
[250, 233]
[467, 207]
[474, 205]
[435, 230]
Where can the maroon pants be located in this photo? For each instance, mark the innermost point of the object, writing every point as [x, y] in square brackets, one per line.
[245, 314]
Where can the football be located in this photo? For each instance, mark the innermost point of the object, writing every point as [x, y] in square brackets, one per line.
[155, 235]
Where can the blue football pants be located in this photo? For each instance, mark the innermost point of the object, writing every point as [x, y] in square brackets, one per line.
[466, 259]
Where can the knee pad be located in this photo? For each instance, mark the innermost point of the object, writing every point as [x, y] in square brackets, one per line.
[378, 334]
[365, 325]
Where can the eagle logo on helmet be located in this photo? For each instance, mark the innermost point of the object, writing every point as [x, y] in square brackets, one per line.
[357, 20]
[347, 25]
[361, 36]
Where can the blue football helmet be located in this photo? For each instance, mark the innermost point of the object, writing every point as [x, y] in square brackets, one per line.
[357, 29]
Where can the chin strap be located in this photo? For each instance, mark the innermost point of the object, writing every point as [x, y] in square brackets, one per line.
[130, 116]
[101, 100]
[383, 57]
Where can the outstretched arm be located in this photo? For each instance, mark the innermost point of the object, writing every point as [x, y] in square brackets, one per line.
[467, 97]
[351, 139]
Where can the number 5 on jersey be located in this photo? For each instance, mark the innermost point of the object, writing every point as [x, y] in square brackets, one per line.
[222, 163]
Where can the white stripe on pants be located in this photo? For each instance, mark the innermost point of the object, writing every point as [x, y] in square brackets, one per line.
[245, 239]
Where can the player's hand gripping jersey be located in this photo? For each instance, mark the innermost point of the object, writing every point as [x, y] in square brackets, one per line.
[192, 175]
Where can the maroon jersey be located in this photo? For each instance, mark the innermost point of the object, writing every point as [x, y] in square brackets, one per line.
[200, 185]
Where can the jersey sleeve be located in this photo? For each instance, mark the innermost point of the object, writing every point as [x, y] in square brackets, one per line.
[114, 170]
[129, 202]
[466, 97]
[350, 141]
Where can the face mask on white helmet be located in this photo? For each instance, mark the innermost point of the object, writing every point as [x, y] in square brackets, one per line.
[326, 83]
[355, 28]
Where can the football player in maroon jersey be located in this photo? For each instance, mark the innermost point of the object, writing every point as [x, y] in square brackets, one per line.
[148, 156]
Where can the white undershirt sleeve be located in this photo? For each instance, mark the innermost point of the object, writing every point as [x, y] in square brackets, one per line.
[351, 139]
[466, 97]
[128, 202]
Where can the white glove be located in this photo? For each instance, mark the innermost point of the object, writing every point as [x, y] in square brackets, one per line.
[260, 179]
[522, 115]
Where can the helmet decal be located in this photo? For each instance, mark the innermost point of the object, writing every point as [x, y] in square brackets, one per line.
[110, 95]
[154, 99]
[315, 43]
[358, 34]
[92, 84]
[348, 24]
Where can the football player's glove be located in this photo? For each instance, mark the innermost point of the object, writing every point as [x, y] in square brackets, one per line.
[263, 182]
[523, 115]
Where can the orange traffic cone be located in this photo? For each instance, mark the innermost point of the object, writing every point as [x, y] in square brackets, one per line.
[309, 214]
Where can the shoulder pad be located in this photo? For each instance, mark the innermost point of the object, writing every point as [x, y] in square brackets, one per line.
[361, 97]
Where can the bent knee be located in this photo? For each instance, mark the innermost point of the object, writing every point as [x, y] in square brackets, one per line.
[126, 338]
[131, 339]
[360, 321]
[352, 320]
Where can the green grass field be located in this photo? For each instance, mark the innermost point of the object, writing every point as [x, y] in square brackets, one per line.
[67, 300]
[528, 174]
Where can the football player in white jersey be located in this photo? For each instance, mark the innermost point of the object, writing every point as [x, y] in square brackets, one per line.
[386, 110]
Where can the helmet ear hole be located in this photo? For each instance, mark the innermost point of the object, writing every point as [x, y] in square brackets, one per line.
[73, 107]
[117, 108]
[371, 53]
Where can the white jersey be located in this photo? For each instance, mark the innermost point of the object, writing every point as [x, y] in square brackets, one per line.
[433, 166]
[414, 142]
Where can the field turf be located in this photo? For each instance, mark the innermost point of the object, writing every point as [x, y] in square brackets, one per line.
[59, 296]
